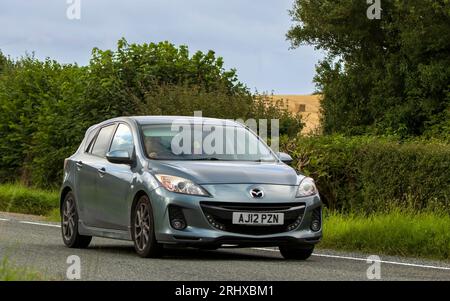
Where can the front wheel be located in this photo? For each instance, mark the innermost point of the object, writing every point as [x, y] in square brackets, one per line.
[69, 224]
[297, 253]
[143, 231]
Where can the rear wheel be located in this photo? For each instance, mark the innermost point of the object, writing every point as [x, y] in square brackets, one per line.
[143, 230]
[69, 224]
[298, 253]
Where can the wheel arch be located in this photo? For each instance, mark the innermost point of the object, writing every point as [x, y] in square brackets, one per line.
[64, 192]
[136, 198]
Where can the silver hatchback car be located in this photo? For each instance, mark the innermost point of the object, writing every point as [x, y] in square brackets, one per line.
[129, 180]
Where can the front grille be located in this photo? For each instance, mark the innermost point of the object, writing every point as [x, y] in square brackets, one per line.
[220, 215]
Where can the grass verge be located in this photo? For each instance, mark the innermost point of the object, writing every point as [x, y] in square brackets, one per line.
[19, 199]
[13, 273]
[53, 215]
[397, 232]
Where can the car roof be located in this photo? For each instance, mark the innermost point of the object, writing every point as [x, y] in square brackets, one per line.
[148, 120]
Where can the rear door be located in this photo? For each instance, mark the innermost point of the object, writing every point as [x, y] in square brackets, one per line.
[84, 176]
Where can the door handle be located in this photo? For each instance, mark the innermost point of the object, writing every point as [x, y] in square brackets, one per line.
[101, 171]
[79, 164]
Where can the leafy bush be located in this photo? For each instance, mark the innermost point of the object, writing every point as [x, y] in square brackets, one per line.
[371, 174]
[20, 199]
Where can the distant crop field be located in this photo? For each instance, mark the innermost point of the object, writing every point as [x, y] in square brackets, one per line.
[308, 106]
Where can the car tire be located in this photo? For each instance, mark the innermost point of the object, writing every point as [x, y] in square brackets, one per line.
[69, 224]
[143, 230]
[296, 253]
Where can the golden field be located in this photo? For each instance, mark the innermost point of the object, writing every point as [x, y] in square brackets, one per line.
[308, 106]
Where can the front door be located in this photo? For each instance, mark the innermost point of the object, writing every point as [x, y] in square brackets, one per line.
[94, 161]
[114, 183]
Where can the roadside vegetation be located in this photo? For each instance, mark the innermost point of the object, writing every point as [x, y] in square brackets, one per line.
[388, 76]
[383, 194]
[21, 199]
[396, 232]
[9, 272]
[370, 174]
[382, 164]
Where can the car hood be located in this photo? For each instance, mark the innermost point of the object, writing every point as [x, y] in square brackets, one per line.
[224, 172]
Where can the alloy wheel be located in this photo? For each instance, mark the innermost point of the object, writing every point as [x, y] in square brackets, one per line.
[68, 217]
[142, 226]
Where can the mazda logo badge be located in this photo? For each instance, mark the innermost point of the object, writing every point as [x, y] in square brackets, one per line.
[257, 193]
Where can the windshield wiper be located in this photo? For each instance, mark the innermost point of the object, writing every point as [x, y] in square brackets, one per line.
[261, 160]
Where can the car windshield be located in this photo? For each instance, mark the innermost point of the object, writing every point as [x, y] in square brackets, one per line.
[203, 142]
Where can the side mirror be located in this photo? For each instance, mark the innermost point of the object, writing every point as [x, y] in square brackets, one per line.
[119, 157]
[285, 158]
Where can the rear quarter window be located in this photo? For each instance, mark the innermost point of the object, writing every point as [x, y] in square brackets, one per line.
[90, 140]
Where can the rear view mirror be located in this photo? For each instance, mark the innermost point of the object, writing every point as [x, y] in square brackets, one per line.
[119, 157]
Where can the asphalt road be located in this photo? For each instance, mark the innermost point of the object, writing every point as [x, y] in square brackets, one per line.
[38, 245]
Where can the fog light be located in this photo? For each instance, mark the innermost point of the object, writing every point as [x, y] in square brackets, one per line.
[178, 224]
[315, 225]
[176, 217]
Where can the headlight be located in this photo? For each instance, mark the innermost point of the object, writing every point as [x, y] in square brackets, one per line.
[307, 187]
[180, 185]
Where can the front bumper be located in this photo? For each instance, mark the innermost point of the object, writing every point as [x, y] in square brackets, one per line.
[201, 233]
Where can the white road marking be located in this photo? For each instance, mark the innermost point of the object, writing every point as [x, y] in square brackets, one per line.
[365, 259]
[275, 250]
[4, 219]
[40, 224]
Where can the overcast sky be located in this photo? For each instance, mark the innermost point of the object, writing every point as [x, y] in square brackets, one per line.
[248, 34]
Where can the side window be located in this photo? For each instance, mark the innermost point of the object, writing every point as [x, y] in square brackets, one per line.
[102, 142]
[123, 139]
[90, 141]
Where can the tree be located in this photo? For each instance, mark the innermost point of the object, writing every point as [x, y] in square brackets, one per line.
[3, 62]
[121, 80]
[387, 76]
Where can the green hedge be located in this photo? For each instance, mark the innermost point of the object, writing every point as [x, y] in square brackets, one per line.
[20, 199]
[371, 174]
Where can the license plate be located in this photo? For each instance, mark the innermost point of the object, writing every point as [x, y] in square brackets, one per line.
[258, 218]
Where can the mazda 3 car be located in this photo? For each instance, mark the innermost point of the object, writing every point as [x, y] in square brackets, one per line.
[163, 181]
